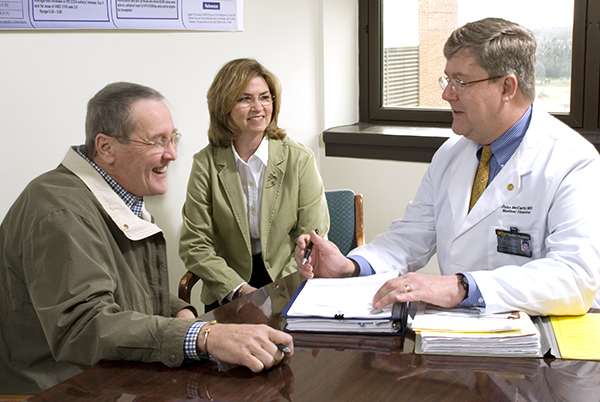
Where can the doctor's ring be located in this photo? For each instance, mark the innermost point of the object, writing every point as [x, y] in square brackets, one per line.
[407, 288]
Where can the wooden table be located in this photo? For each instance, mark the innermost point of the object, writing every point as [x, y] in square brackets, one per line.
[329, 367]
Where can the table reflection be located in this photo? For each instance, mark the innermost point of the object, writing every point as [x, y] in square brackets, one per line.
[120, 381]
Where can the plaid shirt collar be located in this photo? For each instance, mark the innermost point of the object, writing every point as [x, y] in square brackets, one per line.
[134, 203]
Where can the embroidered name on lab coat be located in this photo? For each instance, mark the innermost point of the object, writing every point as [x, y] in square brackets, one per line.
[516, 209]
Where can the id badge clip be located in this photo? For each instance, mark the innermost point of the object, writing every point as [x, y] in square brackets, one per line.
[514, 242]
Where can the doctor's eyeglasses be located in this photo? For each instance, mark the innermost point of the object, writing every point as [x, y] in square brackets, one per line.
[458, 86]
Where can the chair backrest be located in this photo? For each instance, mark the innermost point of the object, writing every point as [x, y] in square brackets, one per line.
[346, 217]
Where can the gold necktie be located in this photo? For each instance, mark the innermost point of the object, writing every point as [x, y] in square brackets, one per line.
[481, 178]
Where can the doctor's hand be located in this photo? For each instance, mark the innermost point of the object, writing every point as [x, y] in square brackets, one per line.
[440, 290]
[325, 260]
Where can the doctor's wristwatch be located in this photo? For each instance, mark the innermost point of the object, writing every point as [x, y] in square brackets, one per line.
[464, 282]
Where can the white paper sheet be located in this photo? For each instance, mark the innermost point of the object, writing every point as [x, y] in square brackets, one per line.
[350, 297]
[463, 320]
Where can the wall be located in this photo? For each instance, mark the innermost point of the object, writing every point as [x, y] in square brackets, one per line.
[387, 186]
[311, 45]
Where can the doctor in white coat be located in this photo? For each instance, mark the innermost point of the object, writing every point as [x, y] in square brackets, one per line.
[531, 241]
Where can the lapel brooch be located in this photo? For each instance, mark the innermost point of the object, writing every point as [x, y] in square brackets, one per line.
[271, 180]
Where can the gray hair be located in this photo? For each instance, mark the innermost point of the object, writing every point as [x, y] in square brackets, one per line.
[501, 47]
[110, 112]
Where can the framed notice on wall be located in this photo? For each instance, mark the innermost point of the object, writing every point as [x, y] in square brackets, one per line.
[196, 15]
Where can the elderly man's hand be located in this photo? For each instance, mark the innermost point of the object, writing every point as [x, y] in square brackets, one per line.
[253, 346]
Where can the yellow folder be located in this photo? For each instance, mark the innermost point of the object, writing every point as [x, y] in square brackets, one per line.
[578, 337]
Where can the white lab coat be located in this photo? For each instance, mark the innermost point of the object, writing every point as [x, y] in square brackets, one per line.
[548, 189]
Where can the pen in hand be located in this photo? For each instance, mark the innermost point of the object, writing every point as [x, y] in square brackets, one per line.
[283, 348]
[308, 249]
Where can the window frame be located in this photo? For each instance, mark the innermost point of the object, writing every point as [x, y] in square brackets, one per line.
[584, 116]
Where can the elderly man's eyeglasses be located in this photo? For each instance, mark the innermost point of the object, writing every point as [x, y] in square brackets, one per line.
[163, 142]
[457, 85]
[247, 101]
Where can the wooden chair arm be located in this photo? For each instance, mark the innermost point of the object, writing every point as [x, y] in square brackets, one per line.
[359, 220]
[188, 280]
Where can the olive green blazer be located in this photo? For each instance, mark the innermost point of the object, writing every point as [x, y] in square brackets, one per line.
[215, 238]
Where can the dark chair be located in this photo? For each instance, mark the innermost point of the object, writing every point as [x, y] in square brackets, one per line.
[347, 230]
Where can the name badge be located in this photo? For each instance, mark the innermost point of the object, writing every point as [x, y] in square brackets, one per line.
[513, 242]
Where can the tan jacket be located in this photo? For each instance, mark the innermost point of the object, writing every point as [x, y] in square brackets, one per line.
[82, 279]
[215, 240]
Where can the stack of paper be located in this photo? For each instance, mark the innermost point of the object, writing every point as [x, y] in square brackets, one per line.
[343, 305]
[461, 331]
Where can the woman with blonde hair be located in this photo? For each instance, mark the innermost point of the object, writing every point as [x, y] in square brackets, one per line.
[252, 191]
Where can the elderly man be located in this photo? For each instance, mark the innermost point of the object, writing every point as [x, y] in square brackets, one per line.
[513, 176]
[84, 270]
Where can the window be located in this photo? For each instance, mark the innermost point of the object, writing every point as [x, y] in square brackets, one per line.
[401, 58]
[412, 51]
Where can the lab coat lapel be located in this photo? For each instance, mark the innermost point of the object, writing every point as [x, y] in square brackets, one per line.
[507, 184]
[229, 179]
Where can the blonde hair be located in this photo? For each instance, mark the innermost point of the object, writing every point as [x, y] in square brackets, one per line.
[229, 84]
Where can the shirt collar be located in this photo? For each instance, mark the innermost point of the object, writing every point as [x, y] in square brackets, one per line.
[262, 152]
[130, 224]
[133, 202]
[505, 146]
